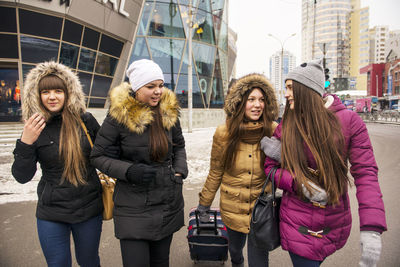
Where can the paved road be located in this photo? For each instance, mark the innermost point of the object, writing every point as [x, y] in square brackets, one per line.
[19, 245]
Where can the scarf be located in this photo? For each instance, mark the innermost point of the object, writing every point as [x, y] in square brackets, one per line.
[252, 133]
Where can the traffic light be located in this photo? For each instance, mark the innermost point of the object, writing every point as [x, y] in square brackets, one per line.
[327, 82]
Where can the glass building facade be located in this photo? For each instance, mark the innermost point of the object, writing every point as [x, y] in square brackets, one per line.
[28, 37]
[162, 36]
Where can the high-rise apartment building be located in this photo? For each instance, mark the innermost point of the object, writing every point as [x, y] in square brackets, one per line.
[325, 31]
[275, 68]
[336, 30]
[359, 45]
[377, 43]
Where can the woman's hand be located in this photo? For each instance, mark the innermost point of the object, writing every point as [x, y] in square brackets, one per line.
[318, 195]
[271, 147]
[32, 129]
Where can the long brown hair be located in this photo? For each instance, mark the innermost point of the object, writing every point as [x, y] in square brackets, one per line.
[311, 124]
[235, 125]
[158, 138]
[70, 150]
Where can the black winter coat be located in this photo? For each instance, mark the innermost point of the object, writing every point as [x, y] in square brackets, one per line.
[59, 202]
[152, 211]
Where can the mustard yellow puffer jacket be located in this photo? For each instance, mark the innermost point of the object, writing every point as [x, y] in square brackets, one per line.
[239, 189]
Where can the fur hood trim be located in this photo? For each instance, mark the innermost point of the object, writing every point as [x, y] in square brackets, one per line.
[246, 83]
[136, 116]
[31, 103]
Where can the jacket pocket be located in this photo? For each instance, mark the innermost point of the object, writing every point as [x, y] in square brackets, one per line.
[175, 199]
[127, 199]
[229, 199]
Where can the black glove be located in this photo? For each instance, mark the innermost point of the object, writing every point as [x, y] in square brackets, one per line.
[141, 174]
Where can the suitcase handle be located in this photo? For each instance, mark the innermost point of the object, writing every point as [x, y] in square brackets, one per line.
[215, 228]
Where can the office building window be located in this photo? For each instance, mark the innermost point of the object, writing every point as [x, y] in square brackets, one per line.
[92, 54]
[8, 46]
[8, 22]
[38, 24]
[72, 32]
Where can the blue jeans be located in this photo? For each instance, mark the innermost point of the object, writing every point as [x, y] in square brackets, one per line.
[256, 257]
[55, 242]
[299, 261]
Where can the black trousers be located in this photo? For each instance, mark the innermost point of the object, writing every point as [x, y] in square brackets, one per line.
[145, 253]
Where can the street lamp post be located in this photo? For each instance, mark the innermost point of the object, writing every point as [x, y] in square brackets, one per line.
[281, 72]
[190, 82]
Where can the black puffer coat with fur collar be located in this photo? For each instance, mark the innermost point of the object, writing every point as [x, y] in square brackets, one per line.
[152, 211]
[60, 202]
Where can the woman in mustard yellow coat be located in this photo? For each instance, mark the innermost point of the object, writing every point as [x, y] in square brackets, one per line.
[236, 165]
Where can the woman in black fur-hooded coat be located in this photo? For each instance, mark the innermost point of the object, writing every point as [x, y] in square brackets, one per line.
[143, 129]
[69, 191]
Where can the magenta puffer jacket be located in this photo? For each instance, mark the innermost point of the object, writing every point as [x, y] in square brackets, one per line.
[314, 232]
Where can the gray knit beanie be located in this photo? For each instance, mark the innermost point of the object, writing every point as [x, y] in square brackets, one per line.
[310, 74]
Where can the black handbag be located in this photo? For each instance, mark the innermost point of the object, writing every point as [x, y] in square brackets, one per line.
[264, 225]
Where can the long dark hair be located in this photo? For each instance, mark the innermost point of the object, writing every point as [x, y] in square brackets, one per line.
[235, 125]
[313, 125]
[158, 138]
[70, 150]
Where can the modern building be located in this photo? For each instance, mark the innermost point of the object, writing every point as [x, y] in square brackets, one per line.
[392, 45]
[325, 34]
[392, 71]
[276, 67]
[359, 44]
[232, 53]
[337, 30]
[162, 37]
[377, 43]
[375, 77]
[99, 38]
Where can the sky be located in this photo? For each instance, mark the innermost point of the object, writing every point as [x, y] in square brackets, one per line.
[254, 20]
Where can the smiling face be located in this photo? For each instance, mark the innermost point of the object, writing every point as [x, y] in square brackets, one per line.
[53, 99]
[255, 105]
[289, 93]
[150, 93]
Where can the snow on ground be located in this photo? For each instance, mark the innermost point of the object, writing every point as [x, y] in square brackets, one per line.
[198, 148]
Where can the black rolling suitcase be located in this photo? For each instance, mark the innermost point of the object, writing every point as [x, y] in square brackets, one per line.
[207, 241]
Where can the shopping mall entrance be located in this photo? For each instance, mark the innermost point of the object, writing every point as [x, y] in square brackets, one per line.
[10, 92]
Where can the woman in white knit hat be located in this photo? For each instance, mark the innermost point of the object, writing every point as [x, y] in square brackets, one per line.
[319, 137]
[149, 162]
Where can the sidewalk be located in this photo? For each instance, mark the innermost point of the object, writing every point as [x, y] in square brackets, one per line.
[19, 245]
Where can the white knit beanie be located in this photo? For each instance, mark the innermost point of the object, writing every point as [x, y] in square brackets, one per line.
[142, 72]
[310, 74]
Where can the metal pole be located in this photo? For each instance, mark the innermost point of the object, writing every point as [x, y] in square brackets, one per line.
[190, 82]
[282, 86]
[313, 41]
[281, 78]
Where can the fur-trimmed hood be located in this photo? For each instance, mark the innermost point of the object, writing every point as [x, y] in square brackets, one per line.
[31, 97]
[245, 84]
[136, 116]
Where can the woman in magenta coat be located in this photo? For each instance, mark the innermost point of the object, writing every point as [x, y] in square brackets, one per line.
[319, 137]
